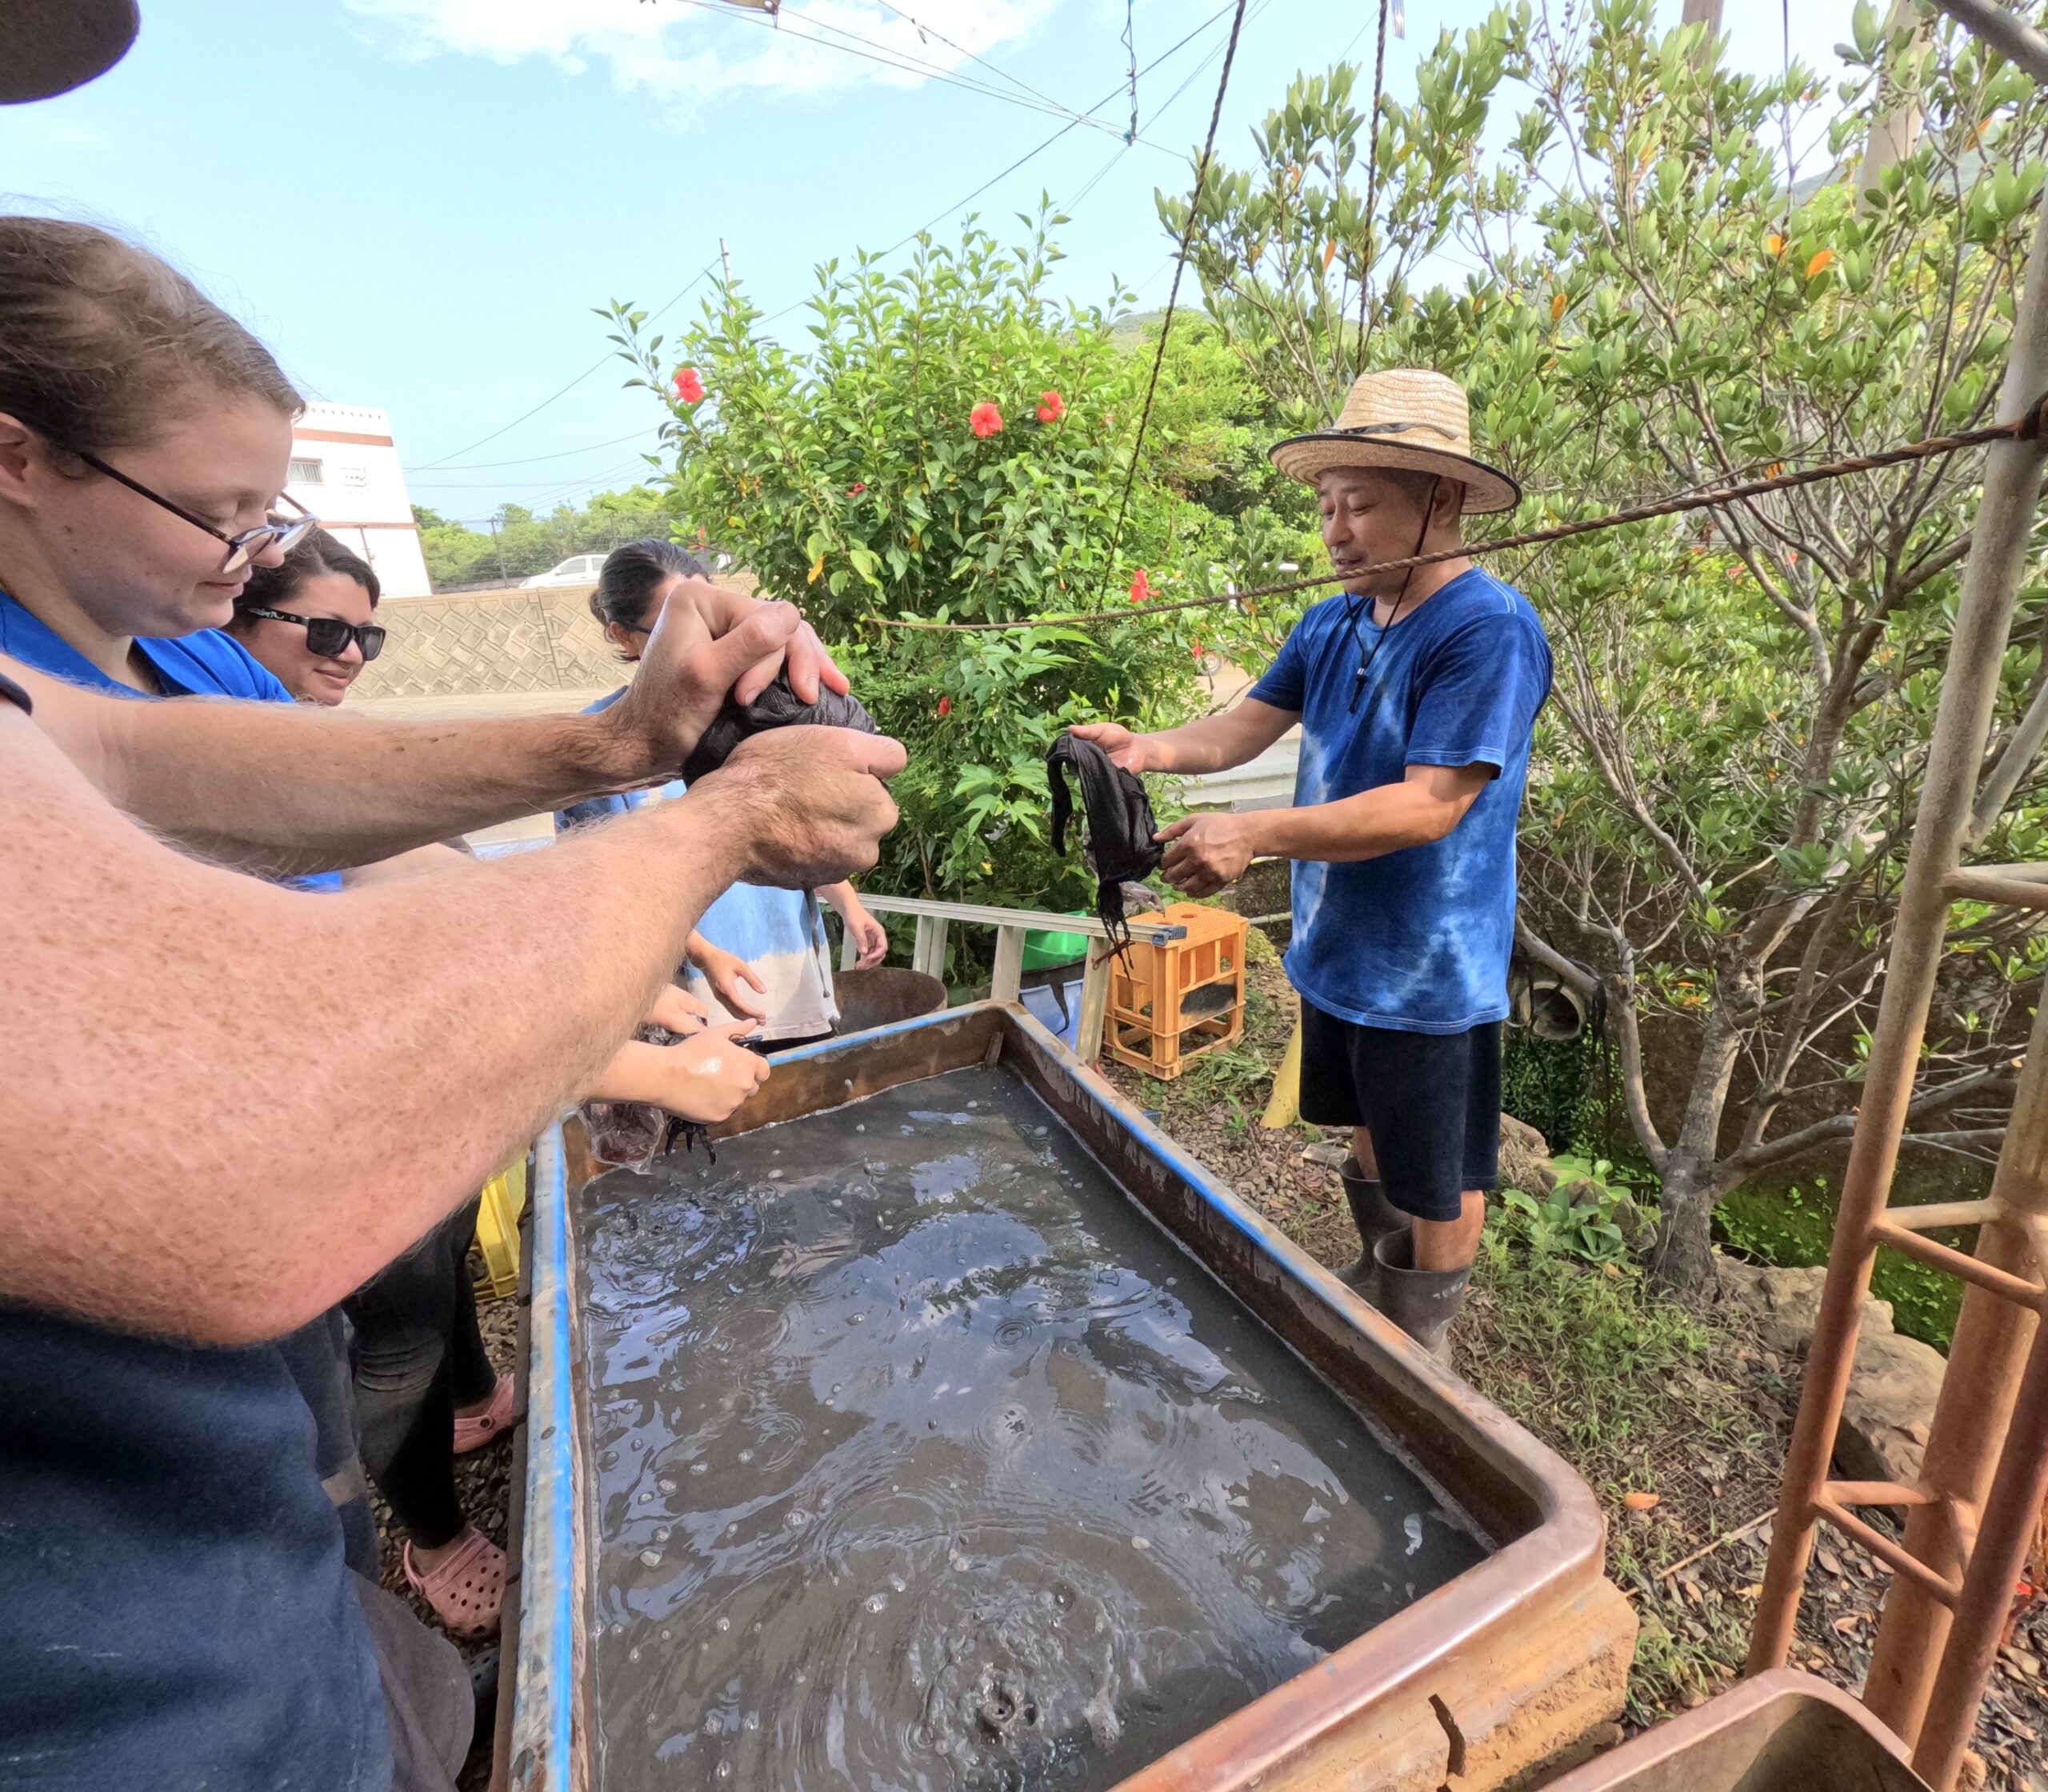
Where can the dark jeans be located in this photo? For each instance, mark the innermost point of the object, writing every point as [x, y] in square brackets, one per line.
[317, 1356]
[417, 1355]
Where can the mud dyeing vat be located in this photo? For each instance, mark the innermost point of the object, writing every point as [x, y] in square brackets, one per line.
[1518, 1659]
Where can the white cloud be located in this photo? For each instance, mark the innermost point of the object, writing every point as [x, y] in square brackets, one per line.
[38, 126]
[685, 55]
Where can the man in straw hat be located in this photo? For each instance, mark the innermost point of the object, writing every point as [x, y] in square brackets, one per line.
[1416, 690]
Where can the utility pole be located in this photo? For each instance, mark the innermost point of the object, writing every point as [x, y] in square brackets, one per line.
[725, 255]
[1707, 12]
[1896, 129]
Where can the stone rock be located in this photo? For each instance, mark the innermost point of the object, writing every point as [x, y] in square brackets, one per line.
[1892, 1392]
[1785, 1303]
[1525, 1162]
[1892, 1388]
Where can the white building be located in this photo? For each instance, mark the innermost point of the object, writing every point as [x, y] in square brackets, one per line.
[345, 471]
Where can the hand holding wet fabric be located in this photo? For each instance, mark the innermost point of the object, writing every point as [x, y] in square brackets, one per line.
[1118, 824]
[708, 646]
[808, 805]
[778, 706]
[1205, 852]
[661, 1088]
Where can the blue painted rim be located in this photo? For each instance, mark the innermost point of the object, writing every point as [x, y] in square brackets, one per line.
[546, 1674]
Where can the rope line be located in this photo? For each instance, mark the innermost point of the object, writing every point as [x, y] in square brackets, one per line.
[2030, 425]
[1180, 267]
[1372, 177]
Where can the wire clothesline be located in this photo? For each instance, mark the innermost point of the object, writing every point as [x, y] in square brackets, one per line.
[2028, 426]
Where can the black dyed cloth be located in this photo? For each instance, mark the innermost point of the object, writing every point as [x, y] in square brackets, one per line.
[779, 706]
[1117, 825]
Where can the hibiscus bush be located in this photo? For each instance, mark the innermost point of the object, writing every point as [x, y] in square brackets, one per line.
[950, 445]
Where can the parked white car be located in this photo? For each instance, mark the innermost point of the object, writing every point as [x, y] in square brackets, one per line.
[578, 569]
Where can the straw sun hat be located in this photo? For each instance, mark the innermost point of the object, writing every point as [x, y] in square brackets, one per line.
[50, 46]
[1410, 419]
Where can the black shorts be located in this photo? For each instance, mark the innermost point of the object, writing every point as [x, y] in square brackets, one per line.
[1431, 1101]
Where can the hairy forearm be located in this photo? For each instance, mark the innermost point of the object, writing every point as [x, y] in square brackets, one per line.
[194, 1153]
[314, 791]
[1367, 826]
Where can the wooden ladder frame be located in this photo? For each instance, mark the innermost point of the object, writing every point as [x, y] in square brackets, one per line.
[1971, 1520]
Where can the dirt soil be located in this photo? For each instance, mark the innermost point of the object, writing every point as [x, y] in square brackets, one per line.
[1708, 1449]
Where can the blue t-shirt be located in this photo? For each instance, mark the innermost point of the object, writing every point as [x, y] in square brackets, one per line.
[174, 1607]
[779, 932]
[207, 664]
[1417, 940]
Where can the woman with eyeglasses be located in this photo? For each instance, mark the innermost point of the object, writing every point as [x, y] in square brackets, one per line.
[144, 438]
[309, 621]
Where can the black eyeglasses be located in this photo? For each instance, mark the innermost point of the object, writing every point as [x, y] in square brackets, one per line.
[285, 532]
[327, 636]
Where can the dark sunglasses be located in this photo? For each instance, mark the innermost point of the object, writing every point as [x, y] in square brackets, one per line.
[285, 532]
[327, 636]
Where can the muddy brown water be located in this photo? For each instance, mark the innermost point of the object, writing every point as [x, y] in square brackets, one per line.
[924, 1461]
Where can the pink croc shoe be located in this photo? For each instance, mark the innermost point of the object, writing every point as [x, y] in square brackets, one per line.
[467, 1590]
[487, 1426]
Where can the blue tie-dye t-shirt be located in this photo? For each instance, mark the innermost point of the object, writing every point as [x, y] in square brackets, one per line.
[1416, 940]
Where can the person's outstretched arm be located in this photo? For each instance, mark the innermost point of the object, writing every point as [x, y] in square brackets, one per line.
[199, 1139]
[282, 788]
[1233, 737]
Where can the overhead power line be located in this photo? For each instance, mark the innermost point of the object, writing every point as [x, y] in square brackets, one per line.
[603, 360]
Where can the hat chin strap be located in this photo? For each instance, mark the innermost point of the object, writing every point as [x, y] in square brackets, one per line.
[1421, 539]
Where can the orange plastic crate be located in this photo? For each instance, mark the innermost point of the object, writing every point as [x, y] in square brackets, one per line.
[1156, 1020]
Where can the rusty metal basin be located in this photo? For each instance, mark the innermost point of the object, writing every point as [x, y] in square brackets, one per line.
[1783, 1731]
[1518, 1662]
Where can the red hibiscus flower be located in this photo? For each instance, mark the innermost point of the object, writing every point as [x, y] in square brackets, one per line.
[945, 707]
[1052, 407]
[1197, 653]
[857, 488]
[1141, 587]
[985, 419]
[689, 385]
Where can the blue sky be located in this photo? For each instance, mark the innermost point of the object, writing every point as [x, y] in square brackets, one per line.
[417, 202]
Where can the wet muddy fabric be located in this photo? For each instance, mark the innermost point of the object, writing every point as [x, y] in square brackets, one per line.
[779, 706]
[921, 1460]
[1117, 824]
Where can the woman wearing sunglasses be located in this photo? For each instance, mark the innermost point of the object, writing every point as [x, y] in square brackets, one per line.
[309, 620]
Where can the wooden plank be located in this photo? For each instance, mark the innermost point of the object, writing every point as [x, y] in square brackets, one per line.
[1094, 1004]
[1008, 964]
[929, 955]
[1151, 932]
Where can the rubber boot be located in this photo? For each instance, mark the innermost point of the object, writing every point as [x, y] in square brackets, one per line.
[1375, 1217]
[1423, 1302]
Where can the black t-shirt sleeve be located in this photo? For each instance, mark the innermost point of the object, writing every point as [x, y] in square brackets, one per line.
[13, 693]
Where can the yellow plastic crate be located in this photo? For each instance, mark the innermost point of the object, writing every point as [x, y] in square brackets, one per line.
[497, 1226]
[1156, 1020]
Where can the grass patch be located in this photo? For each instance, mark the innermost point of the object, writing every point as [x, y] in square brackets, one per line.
[1642, 1395]
[1791, 1225]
